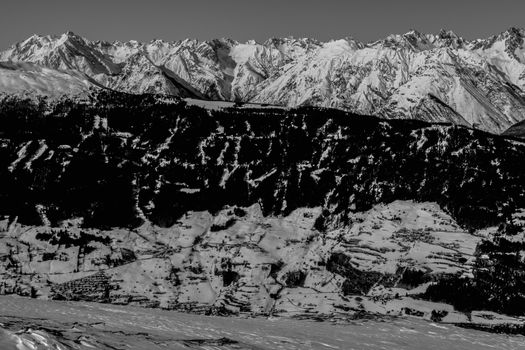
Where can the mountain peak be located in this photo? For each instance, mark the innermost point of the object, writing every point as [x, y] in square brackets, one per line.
[32, 39]
[414, 33]
[70, 37]
[73, 35]
[447, 34]
[515, 31]
[412, 40]
[511, 40]
[447, 38]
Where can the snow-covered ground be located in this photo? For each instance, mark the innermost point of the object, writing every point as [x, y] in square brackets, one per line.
[28, 324]
[217, 105]
[239, 261]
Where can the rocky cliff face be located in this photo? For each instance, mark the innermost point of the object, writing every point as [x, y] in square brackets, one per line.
[439, 78]
[143, 199]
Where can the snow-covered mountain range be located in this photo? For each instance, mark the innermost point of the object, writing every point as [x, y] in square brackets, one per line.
[439, 78]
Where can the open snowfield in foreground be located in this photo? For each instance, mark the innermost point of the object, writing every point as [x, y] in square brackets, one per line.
[37, 324]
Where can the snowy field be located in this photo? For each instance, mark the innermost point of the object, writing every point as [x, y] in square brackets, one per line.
[218, 105]
[28, 324]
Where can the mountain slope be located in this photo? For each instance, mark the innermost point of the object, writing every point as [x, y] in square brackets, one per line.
[139, 75]
[517, 130]
[20, 78]
[314, 212]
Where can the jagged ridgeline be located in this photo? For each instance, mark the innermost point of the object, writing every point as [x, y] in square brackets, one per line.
[116, 160]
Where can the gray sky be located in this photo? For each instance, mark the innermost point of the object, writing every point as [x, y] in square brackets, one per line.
[365, 20]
